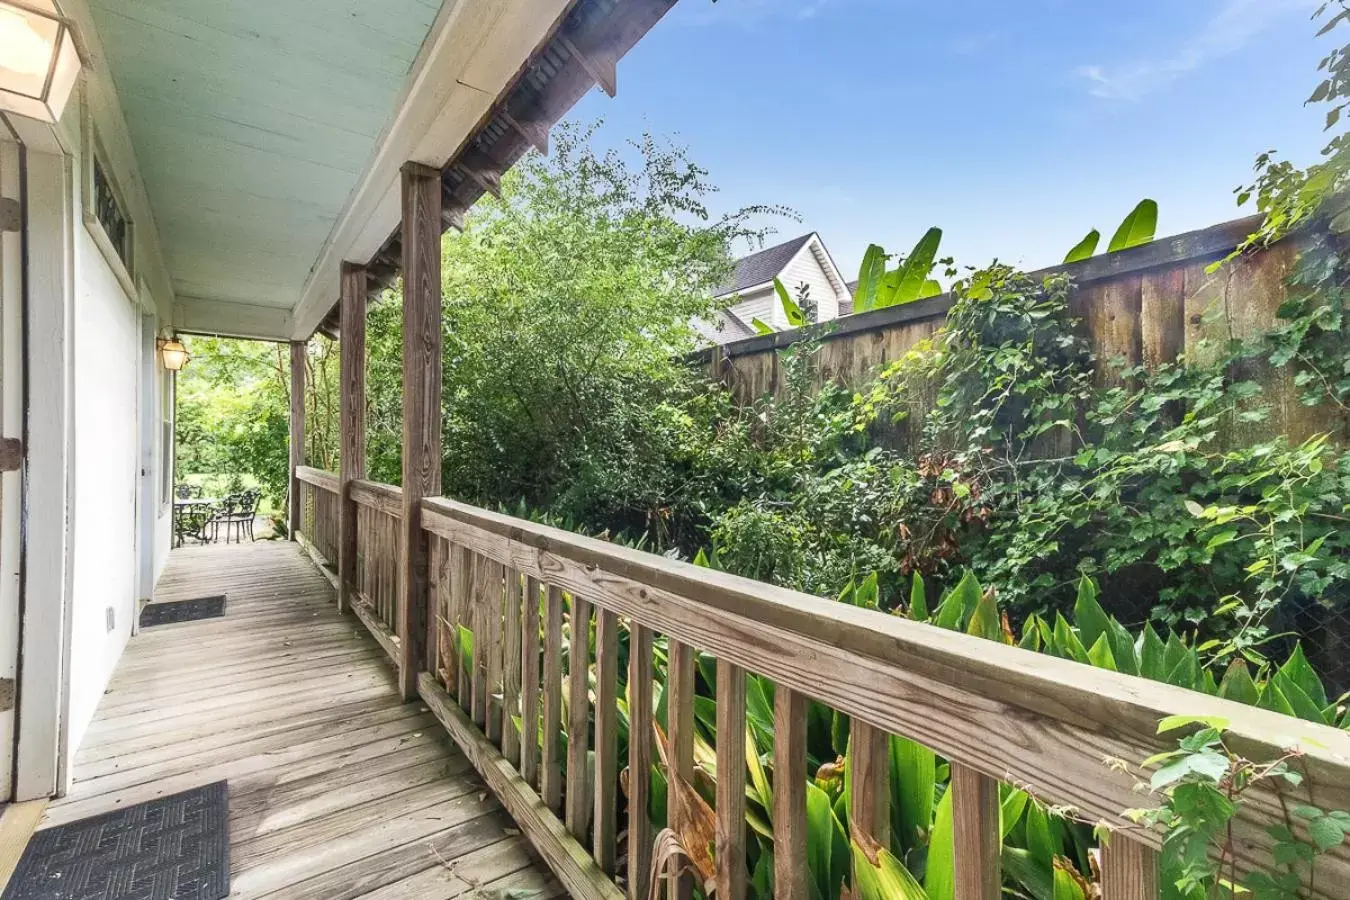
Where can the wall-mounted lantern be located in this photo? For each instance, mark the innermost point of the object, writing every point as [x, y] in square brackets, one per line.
[39, 61]
[173, 353]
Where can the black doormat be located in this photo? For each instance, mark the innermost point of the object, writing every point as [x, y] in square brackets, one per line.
[173, 848]
[182, 611]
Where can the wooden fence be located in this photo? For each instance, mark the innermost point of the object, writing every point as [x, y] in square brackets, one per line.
[510, 607]
[1143, 306]
[319, 513]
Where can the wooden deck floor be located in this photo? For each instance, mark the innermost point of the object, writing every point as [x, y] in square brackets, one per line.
[337, 789]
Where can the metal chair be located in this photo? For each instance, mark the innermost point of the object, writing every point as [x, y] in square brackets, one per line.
[236, 511]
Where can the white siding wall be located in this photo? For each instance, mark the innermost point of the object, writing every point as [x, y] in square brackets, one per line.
[109, 348]
[806, 268]
[761, 304]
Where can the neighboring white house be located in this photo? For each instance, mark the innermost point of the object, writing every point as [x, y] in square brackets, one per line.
[802, 261]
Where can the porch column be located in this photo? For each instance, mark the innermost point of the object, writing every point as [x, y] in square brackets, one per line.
[421, 406]
[352, 348]
[297, 431]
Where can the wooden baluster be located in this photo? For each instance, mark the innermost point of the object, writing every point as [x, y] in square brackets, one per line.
[463, 589]
[529, 701]
[639, 760]
[478, 625]
[443, 636]
[1129, 870]
[680, 752]
[606, 738]
[789, 795]
[578, 795]
[976, 836]
[870, 777]
[496, 582]
[730, 847]
[550, 778]
[435, 567]
[511, 677]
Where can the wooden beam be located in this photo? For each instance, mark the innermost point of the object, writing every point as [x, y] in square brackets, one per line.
[421, 405]
[298, 353]
[603, 67]
[536, 133]
[352, 350]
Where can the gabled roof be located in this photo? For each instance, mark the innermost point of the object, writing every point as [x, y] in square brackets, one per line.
[764, 266]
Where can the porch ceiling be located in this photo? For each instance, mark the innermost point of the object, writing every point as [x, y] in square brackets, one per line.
[252, 123]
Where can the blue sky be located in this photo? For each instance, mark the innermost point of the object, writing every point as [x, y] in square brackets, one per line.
[1016, 126]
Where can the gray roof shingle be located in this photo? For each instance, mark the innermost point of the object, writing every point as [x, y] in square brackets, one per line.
[761, 267]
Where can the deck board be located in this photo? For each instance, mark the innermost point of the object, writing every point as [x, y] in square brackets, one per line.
[337, 788]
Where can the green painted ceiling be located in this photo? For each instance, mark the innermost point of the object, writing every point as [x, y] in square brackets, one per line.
[252, 120]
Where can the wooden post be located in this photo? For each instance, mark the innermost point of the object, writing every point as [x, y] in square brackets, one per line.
[789, 795]
[976, 841]
[353, 423]
[421, 405]
[298, 353]
[1129, 870]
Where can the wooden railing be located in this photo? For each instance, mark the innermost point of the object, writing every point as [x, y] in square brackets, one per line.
[514, 609]
[375, 594]
[319, 512]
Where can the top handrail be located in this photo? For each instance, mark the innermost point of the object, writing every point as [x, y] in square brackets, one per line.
[317, 478]
[1045, 724]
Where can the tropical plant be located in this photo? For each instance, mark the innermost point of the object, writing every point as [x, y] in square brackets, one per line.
[907, 282]
[1138, 228]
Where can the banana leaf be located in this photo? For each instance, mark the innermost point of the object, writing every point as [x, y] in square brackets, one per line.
[914, 271]
[1085, 248]
[869, 279]
[1138, 228]
[796, 318]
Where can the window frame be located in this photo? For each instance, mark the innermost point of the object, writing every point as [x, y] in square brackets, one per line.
[96, 157]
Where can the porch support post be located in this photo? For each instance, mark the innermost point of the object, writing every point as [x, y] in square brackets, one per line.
[421, 406]
[297, 432]
[352, 347]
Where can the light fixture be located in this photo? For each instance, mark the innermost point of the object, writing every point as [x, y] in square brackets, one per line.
[173, 353]
[39, 61]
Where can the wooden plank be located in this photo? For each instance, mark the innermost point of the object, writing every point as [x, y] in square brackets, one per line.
[385, 499]
[1129, 870]
[388, 641]
[680, 752]
[351, 421]
[731, 769]
[11, 454]
[529, 701]
[477, 626]
[563, 853]
[790, 874]
[639, 761]
[492, 610]
[606, 739]
[512, 674]
[17, 825]
[1162, 316]
[459, 593]
[977, 840]
[870, 769]
[421, 406]
[324, 481]
[577, 795]
[914, 680]
[551, 776]
[297, 434]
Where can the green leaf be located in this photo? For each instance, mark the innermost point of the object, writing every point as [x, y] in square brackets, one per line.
[1172, 723]
[1101, 656]
[1067, 643]
[1208, 765]
[1088, 614]
[869, 279]
[1326, 833]
[1085, 248]
[823, 833]
[1138, 228]
[887, 880]
[1298, 670]
[1066, 887]
[984, 622]
[930, 288]
[1039, 838]
[1237, 684]
[939, 878]
[796, 318]
[914, 780]
[918, 600]
[1036, 880]
[1303, 705]
[914, 271]
[1152, 655]
[761, 327]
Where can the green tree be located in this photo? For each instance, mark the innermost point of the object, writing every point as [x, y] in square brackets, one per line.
[567, 303]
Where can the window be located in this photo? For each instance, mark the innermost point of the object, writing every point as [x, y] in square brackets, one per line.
[106, 214]
[110, 215]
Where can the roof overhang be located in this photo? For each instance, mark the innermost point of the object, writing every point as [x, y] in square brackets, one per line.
[251, 202]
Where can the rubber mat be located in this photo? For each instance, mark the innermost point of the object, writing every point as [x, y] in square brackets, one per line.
[171, 848]
[174, 611]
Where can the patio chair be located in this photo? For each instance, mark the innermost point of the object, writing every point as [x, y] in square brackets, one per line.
[236, 513]
[187, 491]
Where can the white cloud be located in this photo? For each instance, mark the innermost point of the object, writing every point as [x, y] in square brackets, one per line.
[1230, 29]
